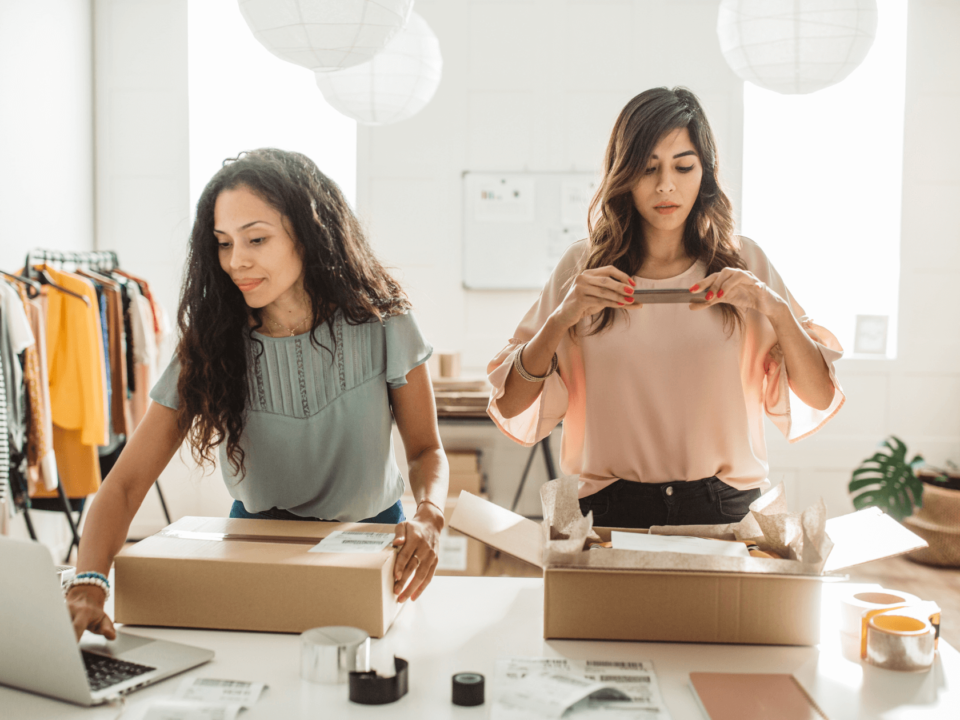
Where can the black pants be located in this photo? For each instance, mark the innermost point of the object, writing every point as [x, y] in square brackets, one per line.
[629, 504]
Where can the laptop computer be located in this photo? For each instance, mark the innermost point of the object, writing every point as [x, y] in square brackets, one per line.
[40, 653]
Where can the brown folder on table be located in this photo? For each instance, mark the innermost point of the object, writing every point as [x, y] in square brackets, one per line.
[753, 696]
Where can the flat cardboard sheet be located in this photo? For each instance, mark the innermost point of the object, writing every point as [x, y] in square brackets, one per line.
[867, 535]
[498, 527]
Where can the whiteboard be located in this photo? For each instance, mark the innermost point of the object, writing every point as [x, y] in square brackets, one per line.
[516, 226]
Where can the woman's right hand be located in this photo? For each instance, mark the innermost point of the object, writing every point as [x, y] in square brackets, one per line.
[592, 291]
[85, 603]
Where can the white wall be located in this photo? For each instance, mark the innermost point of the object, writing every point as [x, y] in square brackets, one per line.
[536, 85]
[46, 127]
[143, 159]
[143, 188]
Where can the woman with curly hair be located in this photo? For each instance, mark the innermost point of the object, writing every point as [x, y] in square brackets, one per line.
[295, 346]
[663, 404]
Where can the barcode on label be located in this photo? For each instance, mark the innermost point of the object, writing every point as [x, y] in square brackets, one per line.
[362, 542]
[609, 663]
[221, 683]
[625, 678]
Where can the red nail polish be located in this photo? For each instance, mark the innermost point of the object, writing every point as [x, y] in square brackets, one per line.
[628, 290]
[720, 294]
[629, 299]
[620, 304]
[695, 288]
[710, 295]
[632, 282]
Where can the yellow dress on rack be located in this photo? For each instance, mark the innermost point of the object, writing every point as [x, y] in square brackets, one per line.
[78, 389]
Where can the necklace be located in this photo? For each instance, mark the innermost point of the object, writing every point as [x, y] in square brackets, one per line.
[293, 330]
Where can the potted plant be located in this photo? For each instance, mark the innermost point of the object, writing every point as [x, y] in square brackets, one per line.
[925, 499]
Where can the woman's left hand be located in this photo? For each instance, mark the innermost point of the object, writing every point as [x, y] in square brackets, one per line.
[740, 288]
[419, 543]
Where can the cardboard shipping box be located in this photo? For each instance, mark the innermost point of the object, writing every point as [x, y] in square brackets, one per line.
[459, 554]
[233, 574]
[464, 472]
[463, 461]
[614, 594]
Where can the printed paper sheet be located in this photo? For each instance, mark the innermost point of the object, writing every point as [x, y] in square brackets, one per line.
[535, 688]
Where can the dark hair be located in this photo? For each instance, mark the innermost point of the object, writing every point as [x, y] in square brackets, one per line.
[616, 233]
[340, 271]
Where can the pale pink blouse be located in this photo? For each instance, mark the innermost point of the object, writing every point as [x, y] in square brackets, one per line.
[665, 393]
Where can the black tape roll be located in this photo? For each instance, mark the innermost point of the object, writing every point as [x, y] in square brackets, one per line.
[368, 688]
[468, 689]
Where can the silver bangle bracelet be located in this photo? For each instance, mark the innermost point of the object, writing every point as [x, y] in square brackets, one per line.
[522, 371]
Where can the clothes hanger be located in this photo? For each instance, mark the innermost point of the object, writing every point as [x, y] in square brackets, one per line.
[94, 275]
[33, 287]
[43, 277]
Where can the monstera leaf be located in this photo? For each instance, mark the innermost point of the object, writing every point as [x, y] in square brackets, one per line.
[888, 481]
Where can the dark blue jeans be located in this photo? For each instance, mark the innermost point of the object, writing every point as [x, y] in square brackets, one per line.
[630, 504]
[391, 516]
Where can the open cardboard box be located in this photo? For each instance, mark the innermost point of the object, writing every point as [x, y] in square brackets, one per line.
[665, 596]
[234, 574]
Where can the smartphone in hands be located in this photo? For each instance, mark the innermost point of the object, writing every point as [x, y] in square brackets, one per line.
[669, 295]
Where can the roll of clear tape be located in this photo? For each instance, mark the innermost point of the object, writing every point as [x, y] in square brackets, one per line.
[900, 642]
[857, 609]
[329, 654]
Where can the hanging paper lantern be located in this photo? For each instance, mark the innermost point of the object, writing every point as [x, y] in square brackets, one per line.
[395, 85]
[327, 34]
[796, 46]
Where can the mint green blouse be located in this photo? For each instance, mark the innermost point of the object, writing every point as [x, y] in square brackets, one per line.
[317, 435]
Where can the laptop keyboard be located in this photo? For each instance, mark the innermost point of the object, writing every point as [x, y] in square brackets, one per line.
[103, 671]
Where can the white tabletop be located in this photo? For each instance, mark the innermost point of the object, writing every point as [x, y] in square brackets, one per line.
[465, 624]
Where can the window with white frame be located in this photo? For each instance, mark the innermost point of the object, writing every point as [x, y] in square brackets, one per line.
[822, 179]
[242, 98]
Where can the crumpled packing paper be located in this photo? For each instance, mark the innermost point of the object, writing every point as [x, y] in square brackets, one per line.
[799, 537]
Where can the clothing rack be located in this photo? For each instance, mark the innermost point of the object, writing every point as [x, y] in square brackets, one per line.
[102, 260]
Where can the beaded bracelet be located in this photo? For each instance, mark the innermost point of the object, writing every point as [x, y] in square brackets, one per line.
[522, 371]
[99, 582]
[91, 574]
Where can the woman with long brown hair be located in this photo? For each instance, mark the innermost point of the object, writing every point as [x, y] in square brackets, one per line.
[663, 403]
[295, 347]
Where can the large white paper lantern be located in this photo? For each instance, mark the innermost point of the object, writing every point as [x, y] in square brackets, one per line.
[325, 33]
[796, 46]
[395, 85]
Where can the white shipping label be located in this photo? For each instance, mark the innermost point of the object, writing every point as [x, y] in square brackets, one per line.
[211, 690]
[340, 541]
[453, 552]
[190, 710]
